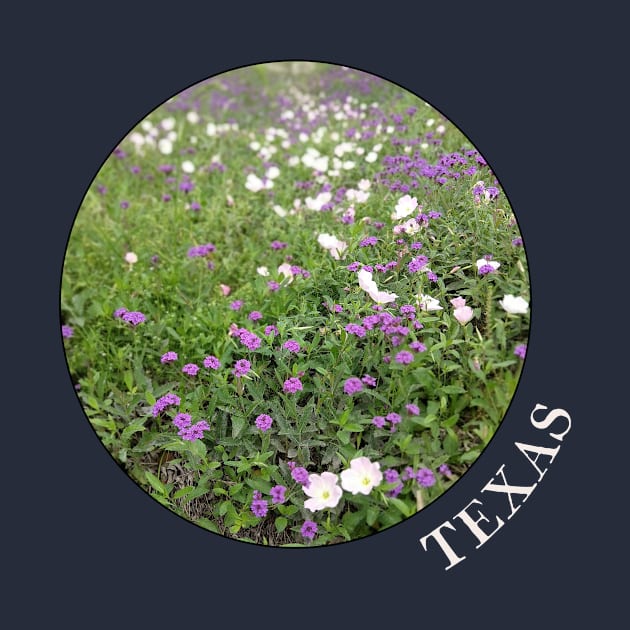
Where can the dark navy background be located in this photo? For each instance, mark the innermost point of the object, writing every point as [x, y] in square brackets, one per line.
[537, 95]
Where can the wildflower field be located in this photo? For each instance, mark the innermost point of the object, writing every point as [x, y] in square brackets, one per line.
[295, 304]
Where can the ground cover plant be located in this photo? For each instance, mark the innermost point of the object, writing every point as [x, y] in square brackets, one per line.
[295, 304]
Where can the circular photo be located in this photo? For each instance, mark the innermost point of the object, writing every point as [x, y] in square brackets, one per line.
[295, 304]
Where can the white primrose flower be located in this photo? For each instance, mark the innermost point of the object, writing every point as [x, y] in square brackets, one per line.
[362, 476]
[285, 270]
[323, 491]
[369, 286]
[272, 172]
[192, 117]
[405, 206]
[165, 146]
[514, 305]
[188, 166]
[332, 244]
[411, 226]
[427, 303]
[262, 271]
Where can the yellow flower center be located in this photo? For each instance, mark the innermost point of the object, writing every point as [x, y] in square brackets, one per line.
[325, 494]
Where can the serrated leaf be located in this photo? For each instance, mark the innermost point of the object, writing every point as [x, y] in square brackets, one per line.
[238, 424]
[155, 483]
[183, 492]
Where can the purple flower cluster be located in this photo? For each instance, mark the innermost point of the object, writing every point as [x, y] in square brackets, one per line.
[259, 506]
[352, 385]
[291, 346]
[278, 245]
[134, 317]
[241, 367]
[417, 263]
[67, 332]
[355, 329]
[425, 477]
[300, 475]
[404, 357]
[369, 241]
[309, 529]
[191, 369]
[369, 380]
[277, 494]
[263, 422]
[292, 385]
[255, 316]
[521, 350]
[271, 329]
[169, 357]
[200, 251]
[163, 402]
[194, 431]
[248, 338]
[486, 269]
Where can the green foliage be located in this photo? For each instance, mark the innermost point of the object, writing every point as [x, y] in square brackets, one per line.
[462, 381]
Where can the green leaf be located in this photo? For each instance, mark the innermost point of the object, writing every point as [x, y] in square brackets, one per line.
[238, 424]
[402, 507]
[128, 378]
[183, 492]
[156, 483]
[451, 389]
[281, 523]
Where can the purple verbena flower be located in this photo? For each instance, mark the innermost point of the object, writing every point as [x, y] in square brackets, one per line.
[271, 329]
[369, 380]
[277, 494]
[263, 422]
[291, 346]
[300, 475]
[425, 477]
[255, 315]
[67, 332]
[521, 350]
[404, 357]
[241, 367]
[355, 329]
[165, 401]
[259, 508]
[182, 420]
[378, 421]
[391, 475]
[191, 369]
[352, 386]
[169, 357]
[309, 529]
[393, 417]
[134, 317]
[212, 363]
[412, 409]
[236, 305]
[292, 385]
